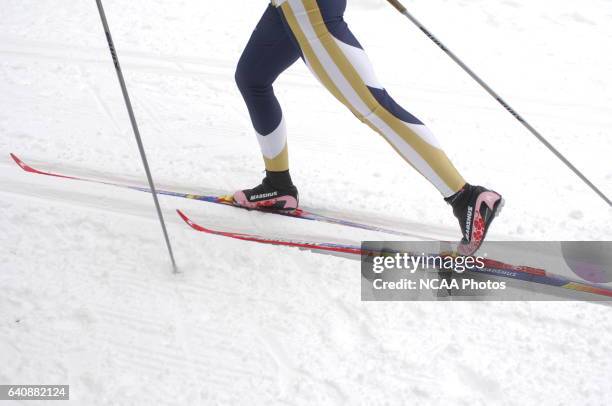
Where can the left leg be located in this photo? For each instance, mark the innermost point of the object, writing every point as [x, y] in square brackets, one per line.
[269, 52]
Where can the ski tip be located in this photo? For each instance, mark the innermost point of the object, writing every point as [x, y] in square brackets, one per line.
[28, 168]
[22, 164]
[17, 160]
[182, 215]
[189, 222]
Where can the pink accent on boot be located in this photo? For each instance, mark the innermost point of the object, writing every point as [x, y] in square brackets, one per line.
[489, 198]
[478, 224]
[290, 202]
[241, 200]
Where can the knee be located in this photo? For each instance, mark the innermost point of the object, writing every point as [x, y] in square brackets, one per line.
[250, 80]
[241, 77]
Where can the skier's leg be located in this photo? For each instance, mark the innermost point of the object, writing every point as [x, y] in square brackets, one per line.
[337, 59]
[268, 53]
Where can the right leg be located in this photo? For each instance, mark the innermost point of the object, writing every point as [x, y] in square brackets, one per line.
[336, 58]
[269, 52]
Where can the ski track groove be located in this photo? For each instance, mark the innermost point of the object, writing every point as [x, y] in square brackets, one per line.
[143, 367]
[38, 343]
[204, 363]
[101, 103]
[58, 52]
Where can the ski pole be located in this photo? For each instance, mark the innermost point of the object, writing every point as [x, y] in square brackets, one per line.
[143, 155]
[402, 9]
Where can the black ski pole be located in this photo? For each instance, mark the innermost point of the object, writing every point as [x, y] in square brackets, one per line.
[143, 155]
[402, 9]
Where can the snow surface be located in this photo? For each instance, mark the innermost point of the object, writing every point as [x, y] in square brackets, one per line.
[87, 294]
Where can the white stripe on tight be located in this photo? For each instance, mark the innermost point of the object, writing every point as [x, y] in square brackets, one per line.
[360, 61]
[273, 144]
[362, 64]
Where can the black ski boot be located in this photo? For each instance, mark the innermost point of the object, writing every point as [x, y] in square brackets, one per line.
[276, 192]
[475, 207]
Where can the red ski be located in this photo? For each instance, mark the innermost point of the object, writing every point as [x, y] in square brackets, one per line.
[347, 249]
[492, 267]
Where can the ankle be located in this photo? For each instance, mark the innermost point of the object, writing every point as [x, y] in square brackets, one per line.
[279, 180]
[458, 197]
